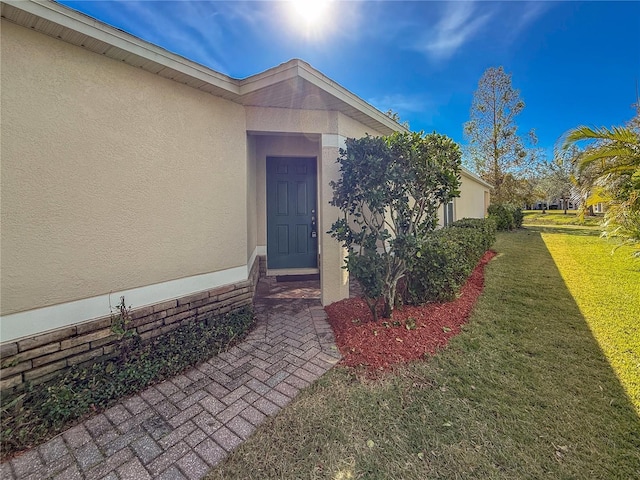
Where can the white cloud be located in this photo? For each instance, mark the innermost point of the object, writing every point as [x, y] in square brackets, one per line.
[194, 29]
[399, 103]
[531, 11]
[459, 23]
[408, 106]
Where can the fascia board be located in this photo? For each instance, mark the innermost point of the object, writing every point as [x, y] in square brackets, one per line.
[268, 78]
[475, 178]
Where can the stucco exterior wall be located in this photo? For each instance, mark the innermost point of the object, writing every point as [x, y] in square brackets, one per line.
[334, 280]
[112, 177]
[252, 218]
[350, 128]
[473, 201]
[285, 120]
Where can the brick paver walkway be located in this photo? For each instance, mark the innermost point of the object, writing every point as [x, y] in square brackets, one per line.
[180, 428]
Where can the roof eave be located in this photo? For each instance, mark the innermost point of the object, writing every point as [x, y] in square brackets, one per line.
[476, 178]
[117, 44]
[124, 43]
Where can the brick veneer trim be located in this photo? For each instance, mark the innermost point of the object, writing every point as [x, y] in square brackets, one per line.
[42, 357]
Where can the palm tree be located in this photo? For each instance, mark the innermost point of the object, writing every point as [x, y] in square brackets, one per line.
[609, 168]
[617, 149]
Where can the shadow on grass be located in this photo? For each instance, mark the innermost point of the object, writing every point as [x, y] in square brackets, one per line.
[523, 392]
[552, 303]
[568, 229]
[540, 368]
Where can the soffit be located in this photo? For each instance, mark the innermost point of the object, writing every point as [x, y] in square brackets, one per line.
[298, 93]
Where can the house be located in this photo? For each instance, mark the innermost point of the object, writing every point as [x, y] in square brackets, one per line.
[129, 171]
[472, 203]
[556, 204]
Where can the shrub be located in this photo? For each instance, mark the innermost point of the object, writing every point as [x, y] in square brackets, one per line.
[438, 270]
[389, 192]
[507, 217]
[43, 410]
[445, 260]
[486, 225]
[502, 216]
[518, 216]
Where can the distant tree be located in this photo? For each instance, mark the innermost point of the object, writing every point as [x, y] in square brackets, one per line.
[589, 192]
[496, 150]
[609, 167]
[557, 180]
[523, 190]
[389, 191]
[395, 116]
[530, 190]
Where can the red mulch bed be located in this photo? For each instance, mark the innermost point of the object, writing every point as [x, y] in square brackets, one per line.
[380, 345]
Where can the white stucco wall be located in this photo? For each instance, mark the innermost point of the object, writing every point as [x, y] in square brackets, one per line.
[285, 120]
[112, 178]
[350, 128]
[335, 281]
[117, 180]
[473, 201]
[252, 205]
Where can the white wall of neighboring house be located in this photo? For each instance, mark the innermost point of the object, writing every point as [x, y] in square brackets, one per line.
[555, 204]
[473, 201]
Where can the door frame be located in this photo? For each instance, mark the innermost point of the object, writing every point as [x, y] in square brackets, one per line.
[294, 270]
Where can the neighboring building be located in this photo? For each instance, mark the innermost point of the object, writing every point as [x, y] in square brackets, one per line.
[556, 204]
[131, 171]
[472, 203]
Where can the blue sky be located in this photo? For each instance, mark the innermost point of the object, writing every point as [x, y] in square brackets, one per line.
[573, 62]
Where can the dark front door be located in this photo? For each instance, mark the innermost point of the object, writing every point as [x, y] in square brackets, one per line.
[292, 236]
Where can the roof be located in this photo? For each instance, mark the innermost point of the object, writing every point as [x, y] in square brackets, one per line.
[475, 178]
[294, 84]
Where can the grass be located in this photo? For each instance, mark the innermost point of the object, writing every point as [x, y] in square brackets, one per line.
[558, 217]
[523, 392]
[606, 287]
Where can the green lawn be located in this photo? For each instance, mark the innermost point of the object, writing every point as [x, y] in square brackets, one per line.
[558, 217]
[606, 288]
[524, 392]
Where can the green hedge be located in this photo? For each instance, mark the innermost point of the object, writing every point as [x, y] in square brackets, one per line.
[43, 410]
[446, 259]
[485, 225]
[506, 216]
[518, 217]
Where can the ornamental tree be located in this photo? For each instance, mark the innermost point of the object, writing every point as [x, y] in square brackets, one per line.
[389, 192]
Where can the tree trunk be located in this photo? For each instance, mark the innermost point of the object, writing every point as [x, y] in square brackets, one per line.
[388, 310]
[390, 300]
[391, 290]
[372, 303]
